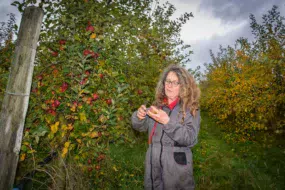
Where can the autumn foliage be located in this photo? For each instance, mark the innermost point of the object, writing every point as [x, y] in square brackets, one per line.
[244, 86]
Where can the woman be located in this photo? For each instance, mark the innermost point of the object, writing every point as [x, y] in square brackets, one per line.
[173, 125]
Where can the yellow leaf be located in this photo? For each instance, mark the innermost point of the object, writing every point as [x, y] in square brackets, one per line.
[70, 127]
[101, 62]
[79, 141]
[102, 118]
[22, 157]
[73, 108]
[66, 144]
[94, 134]
[64, 152]
[81, 92]
[114, 168]
[84, 134]
[93, 36]
[54, 127]
[31, 151]
[48, 119]
[82, 117]
[64, 127]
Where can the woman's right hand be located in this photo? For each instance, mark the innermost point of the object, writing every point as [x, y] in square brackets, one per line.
[141, 114]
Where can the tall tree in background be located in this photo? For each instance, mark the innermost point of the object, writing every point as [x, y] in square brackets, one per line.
[244, 86]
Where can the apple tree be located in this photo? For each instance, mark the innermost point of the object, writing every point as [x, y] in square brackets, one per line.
[97, 61]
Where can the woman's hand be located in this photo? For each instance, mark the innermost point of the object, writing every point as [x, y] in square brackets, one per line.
[141, 114]
[158, 115]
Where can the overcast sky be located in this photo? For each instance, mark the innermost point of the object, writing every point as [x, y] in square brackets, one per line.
[215, 22]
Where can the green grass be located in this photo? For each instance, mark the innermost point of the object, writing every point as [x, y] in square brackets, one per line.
[217, 164]
[127, 165]
[246, 165]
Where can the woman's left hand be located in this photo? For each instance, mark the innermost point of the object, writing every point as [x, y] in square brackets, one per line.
[158, 115]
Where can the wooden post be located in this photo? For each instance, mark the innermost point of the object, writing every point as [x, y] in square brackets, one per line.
[16, 99]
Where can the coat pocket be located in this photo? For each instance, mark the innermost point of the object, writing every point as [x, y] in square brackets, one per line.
[180, 158]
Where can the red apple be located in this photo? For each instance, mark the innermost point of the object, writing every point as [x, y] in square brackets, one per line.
[52, 112]
[63, 87]
[87, 73]
[100, 157]
[101, 75]
[92, 53]
[83, 81]
[86, 52]
[90, 169]
[35, 90]
[95, 96]
[96, 55]
[109, 101]
[140, 91]
[90, 28]
[54, 53]
[62, 42]
[89, 161]
[56, 103]
[40, 77]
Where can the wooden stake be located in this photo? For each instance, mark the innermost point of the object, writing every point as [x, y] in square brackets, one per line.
[16, 99]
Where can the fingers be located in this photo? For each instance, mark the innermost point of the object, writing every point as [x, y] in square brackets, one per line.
[143, 107]
[158, 115]
[154, 109]
[153, 112]
[141, 114]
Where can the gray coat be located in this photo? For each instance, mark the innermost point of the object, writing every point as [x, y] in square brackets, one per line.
[168, 163]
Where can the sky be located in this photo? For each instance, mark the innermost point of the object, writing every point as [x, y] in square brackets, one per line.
[215, 23]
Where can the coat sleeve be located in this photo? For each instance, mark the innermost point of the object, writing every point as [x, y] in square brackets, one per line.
[139, 125]
[185, 134]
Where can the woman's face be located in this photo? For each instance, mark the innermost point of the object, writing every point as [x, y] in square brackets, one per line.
[172, 86]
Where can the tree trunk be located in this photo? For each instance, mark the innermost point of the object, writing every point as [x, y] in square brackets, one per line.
[16, 99]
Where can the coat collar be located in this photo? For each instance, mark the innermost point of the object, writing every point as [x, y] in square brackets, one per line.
[173, 104]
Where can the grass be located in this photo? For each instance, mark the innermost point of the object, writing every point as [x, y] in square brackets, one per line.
[242, 165]
[217, 164]
[127, 163]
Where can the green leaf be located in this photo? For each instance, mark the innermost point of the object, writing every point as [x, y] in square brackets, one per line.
[15, 3]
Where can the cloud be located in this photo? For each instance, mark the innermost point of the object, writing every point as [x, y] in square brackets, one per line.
[233, 11]
[219, 22]
[201, 48]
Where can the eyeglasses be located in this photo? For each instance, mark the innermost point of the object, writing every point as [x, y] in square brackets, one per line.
[173, 83]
